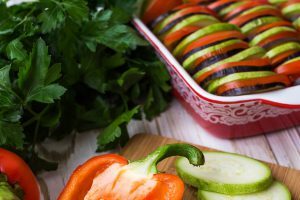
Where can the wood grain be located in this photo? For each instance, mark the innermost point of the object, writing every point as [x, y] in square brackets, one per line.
[142, 144]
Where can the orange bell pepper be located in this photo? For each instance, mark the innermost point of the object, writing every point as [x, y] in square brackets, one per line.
[112, 177]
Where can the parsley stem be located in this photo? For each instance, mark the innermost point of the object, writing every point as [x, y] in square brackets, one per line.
[36, 130]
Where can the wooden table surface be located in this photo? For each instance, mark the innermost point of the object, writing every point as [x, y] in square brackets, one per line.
[282, 147]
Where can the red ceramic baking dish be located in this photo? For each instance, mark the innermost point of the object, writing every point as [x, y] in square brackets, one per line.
[228, 117]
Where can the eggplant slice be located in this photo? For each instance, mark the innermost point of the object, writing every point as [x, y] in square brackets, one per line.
[253, 89]
[232, 70]
[214, 59]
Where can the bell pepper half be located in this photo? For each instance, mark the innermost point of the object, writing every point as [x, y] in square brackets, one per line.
[17, 181]
[112, 177]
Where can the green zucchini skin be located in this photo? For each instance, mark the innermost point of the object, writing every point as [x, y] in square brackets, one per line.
[277, 191]
[224, 188]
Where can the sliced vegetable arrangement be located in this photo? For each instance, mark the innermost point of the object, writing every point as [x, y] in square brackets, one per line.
[265, 26]
[17, 181]
[227, 176]
[113, 177]
[290, 10]
[218, 54]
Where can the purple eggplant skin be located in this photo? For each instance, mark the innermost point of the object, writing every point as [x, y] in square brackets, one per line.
[213, 60]
[250, 20]
[290, 57]
[253, 36]
[176, 21]
[280, 41]
[253, 89]
[160, 19]
[218, 9]
[188, 54]
[233, 70]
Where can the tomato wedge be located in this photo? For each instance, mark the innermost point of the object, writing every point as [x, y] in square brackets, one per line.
[242, 20]
[215, 37]
[218, 5]
[292, 68]
[262, 62]
[155, 8]
[241, 8]
[282, 57]
[240, 45]
[274, 79]
[281, 35]
[265, 27]
[173, 38]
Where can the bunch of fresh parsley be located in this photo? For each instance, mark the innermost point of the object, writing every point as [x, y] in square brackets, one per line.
[70, 65]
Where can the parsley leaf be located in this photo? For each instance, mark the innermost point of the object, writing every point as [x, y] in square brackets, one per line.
[113, 132]
[46, 94]
[69, 66]
[11, 134]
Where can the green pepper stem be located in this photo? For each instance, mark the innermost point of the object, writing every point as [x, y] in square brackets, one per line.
[148, 165]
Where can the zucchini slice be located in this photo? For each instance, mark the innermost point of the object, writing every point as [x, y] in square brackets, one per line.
[226, 173]
[201, 33]
[213, 86]
[253, 52]
[277, 191]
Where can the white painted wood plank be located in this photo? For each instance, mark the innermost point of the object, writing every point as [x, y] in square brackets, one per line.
[285, 146]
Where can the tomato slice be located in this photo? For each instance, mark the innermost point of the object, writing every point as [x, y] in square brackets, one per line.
[240, 45]
[265, 27]
[292, 68]
[155, 8]
[218, 5]
[241, 8]
[197, 1]
[282, 57]
[278, 78]
[262, 62]
[281, 35]
[187, 12]
[215, 37]
[173, 38]
[242, 20]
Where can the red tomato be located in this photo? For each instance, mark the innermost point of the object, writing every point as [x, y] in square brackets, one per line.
[156, 8]
[278, 78]
[18, 172]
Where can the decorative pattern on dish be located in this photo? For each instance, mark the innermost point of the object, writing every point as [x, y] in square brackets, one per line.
[227, 114]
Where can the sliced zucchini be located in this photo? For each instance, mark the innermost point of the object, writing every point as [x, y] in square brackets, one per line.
[277, 2]
[230, 8]
[282, 48]
[291, 9]
[247, 28]
[226, 173]
[191, 59]
[213, 86]
[277, 191]
[269, 33]
[244, 55]
[201, 33]
[199, 20]
[296, 23]
[259, 8]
